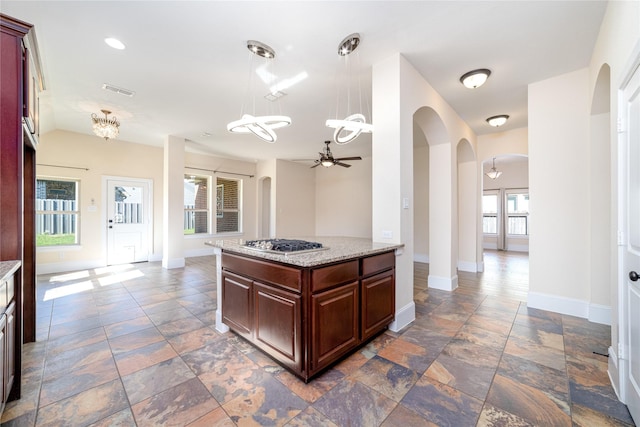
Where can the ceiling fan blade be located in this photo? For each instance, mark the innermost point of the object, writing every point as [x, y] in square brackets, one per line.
[349, 158]
[317, 164]
[344, 165]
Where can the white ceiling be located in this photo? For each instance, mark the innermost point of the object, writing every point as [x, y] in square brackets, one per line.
[188, 64]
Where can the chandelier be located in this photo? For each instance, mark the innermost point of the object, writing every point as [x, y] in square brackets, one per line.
[261, 126]
[355, 123]
[105, 127]
[493, 172]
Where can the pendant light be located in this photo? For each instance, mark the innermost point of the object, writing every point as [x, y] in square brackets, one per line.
[261, 126]
[355, 123]
[493, 172]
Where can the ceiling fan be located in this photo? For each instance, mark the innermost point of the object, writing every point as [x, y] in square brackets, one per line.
[327, 160]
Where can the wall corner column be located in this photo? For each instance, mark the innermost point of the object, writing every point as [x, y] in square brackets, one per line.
[173, 203]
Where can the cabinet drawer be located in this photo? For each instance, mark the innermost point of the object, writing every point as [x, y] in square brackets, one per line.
[327, 277]
[376, 263]
[287, 277]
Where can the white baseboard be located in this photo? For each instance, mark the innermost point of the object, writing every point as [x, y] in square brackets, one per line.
[480, 266]
[468, 266]
[492, 246]
[404, 317]
[442, 283]
[518, 248]
[198, 252]
[155, 257]
[600, 314]
[173, 263]
[573, 307]
[64, 267]
[421, 258]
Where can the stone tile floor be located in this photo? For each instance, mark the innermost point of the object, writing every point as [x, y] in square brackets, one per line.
[135, 345]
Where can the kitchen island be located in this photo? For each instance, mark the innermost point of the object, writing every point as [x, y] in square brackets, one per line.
[306, 310]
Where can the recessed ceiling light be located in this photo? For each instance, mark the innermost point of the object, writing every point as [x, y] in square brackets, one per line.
[114, 43]
[498, 120]
[475, 78]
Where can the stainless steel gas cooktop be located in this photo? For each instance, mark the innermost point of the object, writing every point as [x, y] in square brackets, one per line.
[284, 246]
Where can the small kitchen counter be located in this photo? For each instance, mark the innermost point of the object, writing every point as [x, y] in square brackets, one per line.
[306, 310]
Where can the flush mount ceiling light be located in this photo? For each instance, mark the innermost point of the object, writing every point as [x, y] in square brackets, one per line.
[105, 127]
[475, 78]
[498, 121]
[355, 123]
[493, 172]
[261, 126]
[114, 43]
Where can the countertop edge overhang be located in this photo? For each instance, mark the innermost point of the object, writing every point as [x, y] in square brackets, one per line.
[339, 249]
[7, 268]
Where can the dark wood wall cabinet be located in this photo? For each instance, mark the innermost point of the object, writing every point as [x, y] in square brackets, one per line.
[307, 318]
[21, 81]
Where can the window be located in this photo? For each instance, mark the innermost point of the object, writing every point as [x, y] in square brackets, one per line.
[517, 213]
[227, 205]
[57, 212]
[198, 208]
[196, 205]
[490, 213]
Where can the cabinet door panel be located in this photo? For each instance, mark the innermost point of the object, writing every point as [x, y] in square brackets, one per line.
[378, 302]
[278, 324]
[334, 324]
[237, 303]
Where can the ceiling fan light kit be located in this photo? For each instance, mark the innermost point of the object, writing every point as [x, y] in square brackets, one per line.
[327, 160]
[261, 126]
[349, 128]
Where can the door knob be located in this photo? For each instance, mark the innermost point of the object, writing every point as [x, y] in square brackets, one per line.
[633, 276]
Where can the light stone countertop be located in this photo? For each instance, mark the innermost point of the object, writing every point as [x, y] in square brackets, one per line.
[338, 249]
[7, 268]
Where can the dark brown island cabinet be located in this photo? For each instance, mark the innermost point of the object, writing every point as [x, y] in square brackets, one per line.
[307, 318]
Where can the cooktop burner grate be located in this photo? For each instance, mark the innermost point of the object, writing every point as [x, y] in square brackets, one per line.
[283, 245]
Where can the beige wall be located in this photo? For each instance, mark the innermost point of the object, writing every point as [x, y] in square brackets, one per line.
[101, 158]
[295, 199]
[343, 200]
[558, 183]
[618, 44]
[122, 159]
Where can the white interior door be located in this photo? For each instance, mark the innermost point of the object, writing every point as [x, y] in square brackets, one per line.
[128, 221]
[630, 114]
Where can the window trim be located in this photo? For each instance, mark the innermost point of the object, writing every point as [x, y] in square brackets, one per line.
[208, 179]
[77, 212]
